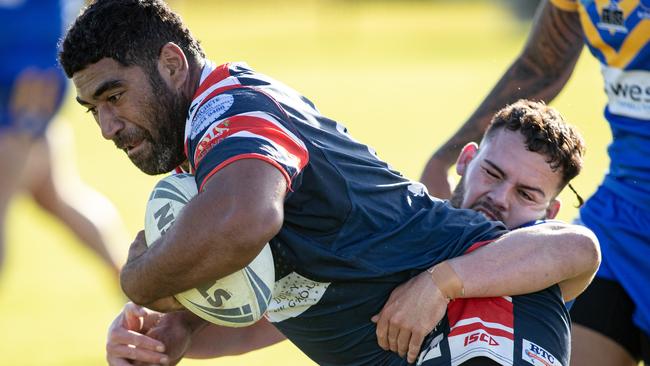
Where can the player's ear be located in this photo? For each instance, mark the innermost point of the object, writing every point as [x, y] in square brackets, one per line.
[553, 208]
[173, 66]
[466, 155]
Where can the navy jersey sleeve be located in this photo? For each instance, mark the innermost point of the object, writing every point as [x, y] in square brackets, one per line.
[459, 231]
[243, 123]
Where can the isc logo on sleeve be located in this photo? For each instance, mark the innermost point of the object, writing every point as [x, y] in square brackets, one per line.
[537, 355]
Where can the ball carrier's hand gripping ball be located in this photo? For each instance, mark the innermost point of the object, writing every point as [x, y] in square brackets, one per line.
[237, 300]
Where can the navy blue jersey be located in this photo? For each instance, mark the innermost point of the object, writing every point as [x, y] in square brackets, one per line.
[354, 228]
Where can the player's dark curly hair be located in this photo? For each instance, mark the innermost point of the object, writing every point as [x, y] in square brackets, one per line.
[545, 132]
[132, 32]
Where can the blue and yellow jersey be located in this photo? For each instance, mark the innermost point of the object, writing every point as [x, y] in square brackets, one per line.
[29, 35]
[617, 34]
[30, 32]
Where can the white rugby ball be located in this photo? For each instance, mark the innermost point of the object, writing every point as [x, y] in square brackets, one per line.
[237, 300]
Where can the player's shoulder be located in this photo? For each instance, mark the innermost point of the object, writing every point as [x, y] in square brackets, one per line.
[233, 104]
[216, 79]
[232, 101]
[228, 84]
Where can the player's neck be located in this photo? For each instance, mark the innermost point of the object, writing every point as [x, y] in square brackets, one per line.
[196, 67]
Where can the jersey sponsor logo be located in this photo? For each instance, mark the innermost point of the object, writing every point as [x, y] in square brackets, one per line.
[480, 337]
[293, 295]
[537, 355]
[210, 111]
[628, 92]
[481, 343]
[211, 137]
[612, 18]
[481, 328]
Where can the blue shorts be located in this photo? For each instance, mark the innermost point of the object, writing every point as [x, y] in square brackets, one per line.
[623, 230]
[12, 121]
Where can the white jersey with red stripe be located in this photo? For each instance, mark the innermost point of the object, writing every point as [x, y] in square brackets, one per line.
[353, 228]
[518, 330]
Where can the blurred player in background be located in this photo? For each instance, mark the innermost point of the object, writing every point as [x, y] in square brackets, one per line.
[344, 228]
[618, 35]
[32, 88]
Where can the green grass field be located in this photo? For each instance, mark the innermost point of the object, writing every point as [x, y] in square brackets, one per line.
[401, 75]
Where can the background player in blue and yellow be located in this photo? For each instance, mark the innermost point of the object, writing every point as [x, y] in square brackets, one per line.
[32, 88]
[617, 33]
[345, 229]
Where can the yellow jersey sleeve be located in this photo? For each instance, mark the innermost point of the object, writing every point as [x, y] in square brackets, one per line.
[566, 5]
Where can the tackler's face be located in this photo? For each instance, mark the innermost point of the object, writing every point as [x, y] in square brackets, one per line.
[137, 111]
[506, 182]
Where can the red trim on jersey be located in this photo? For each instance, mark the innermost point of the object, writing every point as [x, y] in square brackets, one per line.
[247, 156]
[489, 309]
[255, 125]
[219, 73]
[187, 156]
[470, 328]
[478, 245]
[218, 91]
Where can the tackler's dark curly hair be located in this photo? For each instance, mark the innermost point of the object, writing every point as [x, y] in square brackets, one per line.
[132, 32]
[545, 132]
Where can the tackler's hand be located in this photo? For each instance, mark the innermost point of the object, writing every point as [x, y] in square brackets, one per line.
[411, 313]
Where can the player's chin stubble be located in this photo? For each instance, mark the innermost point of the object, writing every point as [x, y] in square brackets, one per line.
[458, 194]
[167, 118]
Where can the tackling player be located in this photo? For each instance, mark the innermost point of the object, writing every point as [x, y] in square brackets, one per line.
[526, 157]
[617, 34]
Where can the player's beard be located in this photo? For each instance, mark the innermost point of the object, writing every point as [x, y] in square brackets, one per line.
[458, 194]
[166, 115]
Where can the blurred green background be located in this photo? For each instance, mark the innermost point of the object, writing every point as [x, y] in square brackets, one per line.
[401, 75]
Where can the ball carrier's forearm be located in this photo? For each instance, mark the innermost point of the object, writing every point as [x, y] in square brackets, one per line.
[524, 261]
[539, 73]
[204, 340]
[215, 341]
[219, 232]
